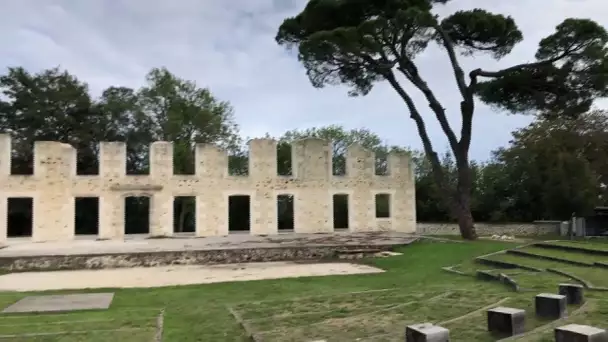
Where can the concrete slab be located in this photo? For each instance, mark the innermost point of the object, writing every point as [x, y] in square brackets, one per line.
[55, 303]
[173, 275]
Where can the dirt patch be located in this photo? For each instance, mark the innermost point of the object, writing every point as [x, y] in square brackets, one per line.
[173, 275]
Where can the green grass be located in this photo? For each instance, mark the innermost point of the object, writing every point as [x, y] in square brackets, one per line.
[567, 255]
[414, 289]
[596, 276]
[526, 261]
[595, 244]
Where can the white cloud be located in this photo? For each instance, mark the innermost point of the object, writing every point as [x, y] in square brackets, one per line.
[229, 47]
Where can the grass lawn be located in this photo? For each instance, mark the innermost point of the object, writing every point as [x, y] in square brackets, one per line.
[374, 307]
[566, 255]
[596, 244]
[526, 261]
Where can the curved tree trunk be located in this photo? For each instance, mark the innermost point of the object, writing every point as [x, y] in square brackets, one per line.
[462, 201]
[464, 216]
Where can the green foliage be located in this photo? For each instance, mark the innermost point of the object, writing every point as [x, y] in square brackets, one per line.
[46, 106]
[347, 41]
[341, 139]
[54, 105]
[479, 30]
[553, 168]
[361, 42]
[571, 72]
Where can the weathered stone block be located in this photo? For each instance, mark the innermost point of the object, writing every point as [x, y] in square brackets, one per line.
[550, 305]
[426, 332]
[573, 293]
[506, 321]
[580, 333]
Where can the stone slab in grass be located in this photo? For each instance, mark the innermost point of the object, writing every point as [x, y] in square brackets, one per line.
[549, 305]
[426, 332]
[582, 333]
[507, 321]
[62, 303]
[573, 293]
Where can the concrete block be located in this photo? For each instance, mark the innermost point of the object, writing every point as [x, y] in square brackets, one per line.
[550, 305]
[426, 332]
[573, 293]
[580, 333]
[506, 321]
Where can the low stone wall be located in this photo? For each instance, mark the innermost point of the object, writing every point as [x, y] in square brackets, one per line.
[520, 229]
[200, 257]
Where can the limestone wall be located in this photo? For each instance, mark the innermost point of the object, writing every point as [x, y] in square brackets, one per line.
[521, 229]
[55, 184]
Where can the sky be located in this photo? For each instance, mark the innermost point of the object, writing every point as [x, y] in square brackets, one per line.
[229, 47]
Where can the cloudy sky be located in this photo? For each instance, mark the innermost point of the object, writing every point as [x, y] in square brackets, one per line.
[229, 47]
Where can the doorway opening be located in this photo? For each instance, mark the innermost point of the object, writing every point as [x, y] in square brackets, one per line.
[184, 214]
[285, 212]
[20, 218]
[137, 215]
[239, 214]
[340, 204]
[86, 215]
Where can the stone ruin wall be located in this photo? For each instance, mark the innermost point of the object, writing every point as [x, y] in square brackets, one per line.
[55, 184]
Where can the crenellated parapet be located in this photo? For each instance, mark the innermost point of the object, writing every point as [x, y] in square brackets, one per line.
[54, 185]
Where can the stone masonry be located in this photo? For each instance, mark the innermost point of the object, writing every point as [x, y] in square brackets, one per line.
[55, 184]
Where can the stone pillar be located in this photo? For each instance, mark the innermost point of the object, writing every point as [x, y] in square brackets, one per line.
[211, 206]
[5, 172]
[161, 214]
[212, 214]
[312, 169]
[506, 321]
[54, 169]
[111, 216]
[401, 173]
[550, 305]
[112, 170]
[426, 332]
[161, 203]
[580, 333]
[573, 293]
[313, 160]
[5, 155]
[360, 170]
[3, 219]
[262, 174]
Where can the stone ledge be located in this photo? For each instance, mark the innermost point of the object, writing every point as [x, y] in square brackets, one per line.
[487, 228]
[601, 264]
[451, 269]
[192, 257]
[571, 248]
[585, 283]
[550, 258]
[504, 264]
[501, 278]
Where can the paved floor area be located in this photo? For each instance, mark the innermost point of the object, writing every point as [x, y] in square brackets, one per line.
[173, 275]
[61, 303]
[19, 247]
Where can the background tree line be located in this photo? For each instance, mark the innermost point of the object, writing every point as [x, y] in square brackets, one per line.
[551, 168]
